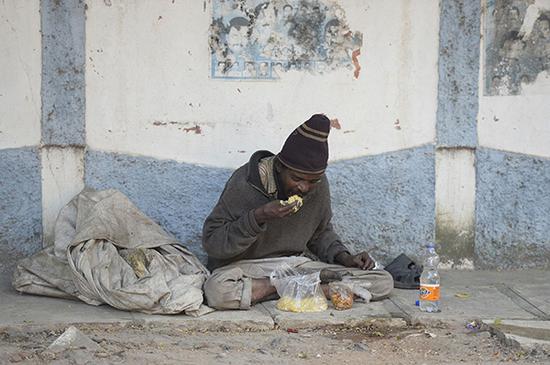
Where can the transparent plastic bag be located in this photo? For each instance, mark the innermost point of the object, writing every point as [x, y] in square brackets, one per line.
[341, 295]
[298, 291]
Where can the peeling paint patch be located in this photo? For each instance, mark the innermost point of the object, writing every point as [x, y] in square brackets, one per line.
[258, 39]
[397, 124]
[196, 129]
[354, 57]
[180, 125]
[517, 46]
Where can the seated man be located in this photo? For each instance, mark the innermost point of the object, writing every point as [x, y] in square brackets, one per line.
[249, 232]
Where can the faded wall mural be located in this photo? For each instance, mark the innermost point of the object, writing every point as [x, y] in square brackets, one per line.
[258, 39]
[517, 46]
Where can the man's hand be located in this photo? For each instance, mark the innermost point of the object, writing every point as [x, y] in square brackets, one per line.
[273, 210]
[362, 260]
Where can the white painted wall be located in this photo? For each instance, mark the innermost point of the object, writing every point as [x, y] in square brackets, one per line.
[148, 63]
[516, 123]
[519, 123]
[20, 69]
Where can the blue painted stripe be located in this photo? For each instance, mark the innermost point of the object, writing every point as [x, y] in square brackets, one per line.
[457, 107]
[63, 65]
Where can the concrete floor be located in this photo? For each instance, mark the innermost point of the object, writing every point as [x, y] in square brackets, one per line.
[515, 304]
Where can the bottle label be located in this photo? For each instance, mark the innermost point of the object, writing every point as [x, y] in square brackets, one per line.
[429, 292]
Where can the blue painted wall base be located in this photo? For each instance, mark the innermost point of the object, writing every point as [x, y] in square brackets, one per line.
[383, 203]
[20, 200]
[512, 211]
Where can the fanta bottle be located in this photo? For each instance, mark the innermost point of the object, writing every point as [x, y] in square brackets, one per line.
[429, 281]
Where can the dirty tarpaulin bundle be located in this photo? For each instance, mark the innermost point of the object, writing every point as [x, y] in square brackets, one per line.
[107, 251]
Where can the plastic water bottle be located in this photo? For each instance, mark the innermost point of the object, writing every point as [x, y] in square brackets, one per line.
[429, 281]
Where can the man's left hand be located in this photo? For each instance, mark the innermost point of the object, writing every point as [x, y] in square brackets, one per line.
[361, 260]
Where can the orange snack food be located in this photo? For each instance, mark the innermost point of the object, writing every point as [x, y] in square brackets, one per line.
[341, 296]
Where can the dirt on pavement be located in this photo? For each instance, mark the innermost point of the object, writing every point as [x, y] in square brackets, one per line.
[139, 344]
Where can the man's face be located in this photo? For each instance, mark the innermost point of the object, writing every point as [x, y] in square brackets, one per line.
[297, 183]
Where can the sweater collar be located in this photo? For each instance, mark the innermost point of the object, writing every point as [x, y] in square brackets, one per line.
[253, 175]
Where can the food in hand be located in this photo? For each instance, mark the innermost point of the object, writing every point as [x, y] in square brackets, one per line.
[308, 304]
[292, 199]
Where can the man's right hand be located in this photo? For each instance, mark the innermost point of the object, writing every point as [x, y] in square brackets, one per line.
[273, 210]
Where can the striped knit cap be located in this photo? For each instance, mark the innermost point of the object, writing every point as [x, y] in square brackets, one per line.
[306, 149]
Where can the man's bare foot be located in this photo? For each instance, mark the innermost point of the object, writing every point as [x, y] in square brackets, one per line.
[325, 289]
[262, 290]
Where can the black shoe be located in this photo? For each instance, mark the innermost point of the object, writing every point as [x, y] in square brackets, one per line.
[405, 272]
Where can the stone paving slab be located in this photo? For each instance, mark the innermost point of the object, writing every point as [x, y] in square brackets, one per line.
[359, 314]
[537, 295]
[520, 333]
[481, 302]
[451, 278]
[485, 299]
[23, 309]
[255, 319]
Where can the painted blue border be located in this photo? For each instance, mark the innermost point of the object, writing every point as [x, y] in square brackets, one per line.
[63, 67]
[458, 99]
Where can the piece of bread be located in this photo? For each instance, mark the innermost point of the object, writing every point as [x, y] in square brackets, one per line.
[292, 199]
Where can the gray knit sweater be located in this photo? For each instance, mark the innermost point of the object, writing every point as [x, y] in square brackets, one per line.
[231, 233]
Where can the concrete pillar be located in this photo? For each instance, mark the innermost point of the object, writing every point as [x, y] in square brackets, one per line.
[455, 205]
[63, 107]
[456, 141]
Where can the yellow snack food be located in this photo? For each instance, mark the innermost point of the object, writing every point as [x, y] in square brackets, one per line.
[292, 199]
[309, 304]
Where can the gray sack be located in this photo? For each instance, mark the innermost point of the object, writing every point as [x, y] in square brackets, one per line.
[107, 251]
